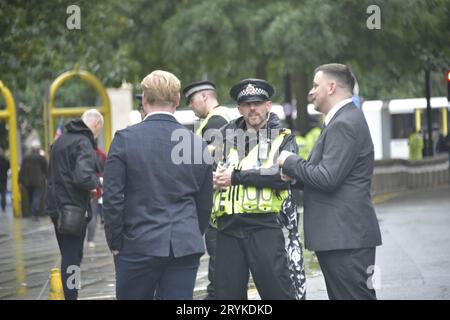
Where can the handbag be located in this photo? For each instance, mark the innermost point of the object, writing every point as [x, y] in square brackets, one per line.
[71, 220]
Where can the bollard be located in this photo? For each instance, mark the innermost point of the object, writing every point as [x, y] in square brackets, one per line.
[56, 287]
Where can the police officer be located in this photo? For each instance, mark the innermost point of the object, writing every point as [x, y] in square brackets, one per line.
[138, 97]
[415, 142]
[248, 197]
[202, 99]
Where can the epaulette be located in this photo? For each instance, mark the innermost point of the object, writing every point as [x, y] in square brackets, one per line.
[285, 131]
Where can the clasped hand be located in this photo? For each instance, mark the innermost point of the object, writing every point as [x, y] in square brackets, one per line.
[281, 159]
[222, 177]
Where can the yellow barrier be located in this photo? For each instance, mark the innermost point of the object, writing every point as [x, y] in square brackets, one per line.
[105, 107]
[418, 118]
[444, 121]
[418, 115]
[9, 114]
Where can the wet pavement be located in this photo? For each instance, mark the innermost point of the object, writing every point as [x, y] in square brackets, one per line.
[412, 263]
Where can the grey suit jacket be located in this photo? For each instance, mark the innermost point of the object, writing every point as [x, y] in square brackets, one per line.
[338, 210]
[150, 201]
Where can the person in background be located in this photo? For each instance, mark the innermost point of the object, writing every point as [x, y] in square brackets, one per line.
[202, 99]
[72, 177]
[138, 97]
[355, 94]
[33, 177]
[96, 199]
[4, 167]
[441, 145]
[415, 142]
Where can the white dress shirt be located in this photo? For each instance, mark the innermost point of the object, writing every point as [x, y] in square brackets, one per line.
[158, 112]
[335, 109]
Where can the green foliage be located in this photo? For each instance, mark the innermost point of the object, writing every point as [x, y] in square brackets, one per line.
[223, 40]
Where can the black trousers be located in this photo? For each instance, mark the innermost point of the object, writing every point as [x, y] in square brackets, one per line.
[211, 241]
[263, 253]
[34, 198]
[3, 195]
[347, 272]
[71, 249]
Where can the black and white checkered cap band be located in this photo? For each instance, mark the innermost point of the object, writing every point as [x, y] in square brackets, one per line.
[199, 88]
[254, 92]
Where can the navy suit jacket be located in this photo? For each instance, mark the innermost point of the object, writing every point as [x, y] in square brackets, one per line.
[152, 201]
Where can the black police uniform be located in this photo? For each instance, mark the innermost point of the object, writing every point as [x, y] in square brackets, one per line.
[253, 242]
[214, 122]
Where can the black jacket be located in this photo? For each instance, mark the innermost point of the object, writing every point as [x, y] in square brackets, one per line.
[239, 224]
[33, 172]
[72, 168]
[4, 167]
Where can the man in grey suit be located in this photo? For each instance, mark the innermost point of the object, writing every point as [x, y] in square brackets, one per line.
[340, 224]
[156, 208]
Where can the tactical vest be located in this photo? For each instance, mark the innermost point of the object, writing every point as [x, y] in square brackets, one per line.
[238, 199]
[217, 111]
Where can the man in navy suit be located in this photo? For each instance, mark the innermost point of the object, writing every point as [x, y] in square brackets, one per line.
[157, 207]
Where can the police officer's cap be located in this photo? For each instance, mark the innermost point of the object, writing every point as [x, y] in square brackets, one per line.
[249, 90]
[197, 86]
[138, 97]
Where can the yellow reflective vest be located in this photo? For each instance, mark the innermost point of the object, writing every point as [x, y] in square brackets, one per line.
[238, 199]
[217, 111]
[415, 142]
[303, 150]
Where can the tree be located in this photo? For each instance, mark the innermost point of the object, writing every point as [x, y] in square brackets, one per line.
[303, 36]
[37, 46]
[223, 40]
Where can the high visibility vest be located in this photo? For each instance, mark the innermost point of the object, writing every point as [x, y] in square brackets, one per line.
[303, 150]
[238, 199]
[415, 142]
[217, 111]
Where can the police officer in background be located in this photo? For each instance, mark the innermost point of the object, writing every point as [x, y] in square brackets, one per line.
[201, 97]
[138, 97]
[248, 197]
[4, 167]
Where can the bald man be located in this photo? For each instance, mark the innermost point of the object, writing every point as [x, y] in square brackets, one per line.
[72, 176]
